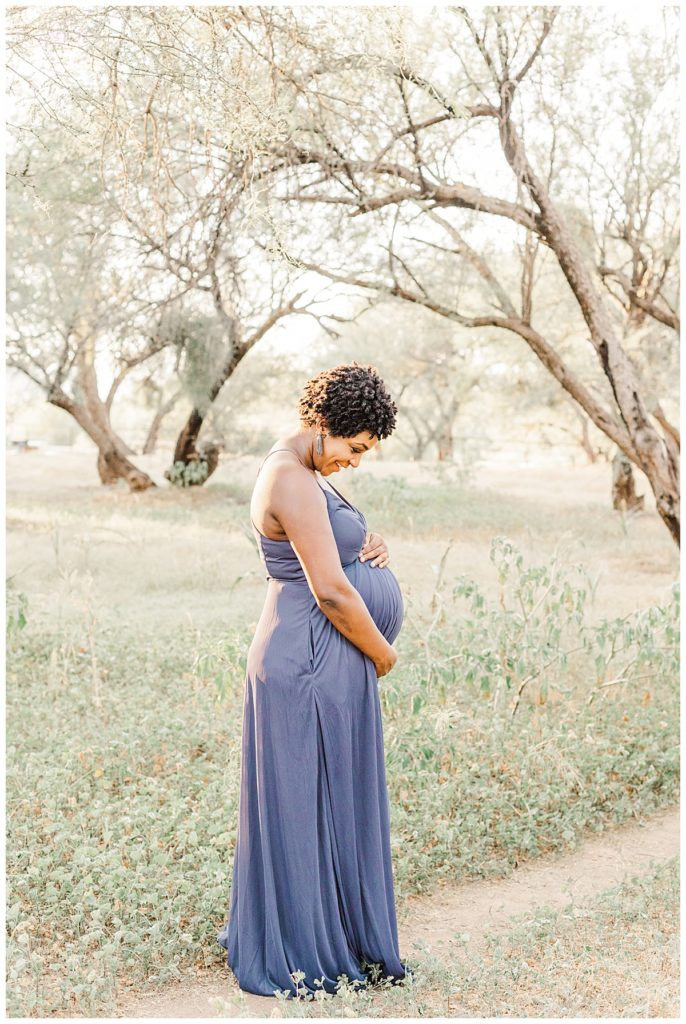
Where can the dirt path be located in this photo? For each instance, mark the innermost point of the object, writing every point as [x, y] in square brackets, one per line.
[475, 908]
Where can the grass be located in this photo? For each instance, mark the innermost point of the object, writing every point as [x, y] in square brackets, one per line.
[617, 956]
[405, 509]
[130, 617]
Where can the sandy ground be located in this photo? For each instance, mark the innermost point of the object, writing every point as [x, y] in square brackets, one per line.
[53, 467]
[634, 570]
[438, 921]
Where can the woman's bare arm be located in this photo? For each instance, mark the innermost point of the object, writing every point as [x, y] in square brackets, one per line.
[296, 501]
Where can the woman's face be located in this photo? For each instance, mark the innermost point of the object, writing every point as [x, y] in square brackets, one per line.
[341, 452]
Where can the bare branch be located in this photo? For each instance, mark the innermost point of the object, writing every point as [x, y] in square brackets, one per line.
[547, 25]
[663, 316]
[538, 345]
[458, 195]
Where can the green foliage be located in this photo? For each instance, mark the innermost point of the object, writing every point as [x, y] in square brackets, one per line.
[188, 474]
[122, 819]
[17, 609]
[539, 633]
[540, 609]
[223, 663]
[584, 750]
[122, 815]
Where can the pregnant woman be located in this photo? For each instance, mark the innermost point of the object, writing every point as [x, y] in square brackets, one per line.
[312, 883]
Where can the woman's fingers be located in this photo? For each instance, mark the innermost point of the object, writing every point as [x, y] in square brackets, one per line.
[374, 552]
[378, 549]
[379, 556]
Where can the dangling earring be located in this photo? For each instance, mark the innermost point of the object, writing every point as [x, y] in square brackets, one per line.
[319, 444]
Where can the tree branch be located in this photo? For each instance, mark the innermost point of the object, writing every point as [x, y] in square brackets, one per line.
[458, 195]
[663, 316]
[538, 345]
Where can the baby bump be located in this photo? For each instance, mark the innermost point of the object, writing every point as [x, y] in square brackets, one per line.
[294, 639]
[380, 591]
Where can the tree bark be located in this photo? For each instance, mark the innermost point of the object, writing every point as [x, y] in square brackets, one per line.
[187, 450]
[632, 428]
[445, 443]
[186, 443]
[113, 463]
[624, 497]
[585, 440]
[652, 452]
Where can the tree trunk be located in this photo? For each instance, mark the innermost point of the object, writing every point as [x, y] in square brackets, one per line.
[186, 443]
[153, 432]
[121, 443]
[651, 453]
[186, 450]
[93, 415]
[445, 444]
[624, 497]
[113, 464]
[207, 454]
[444, 431]
[585, 440]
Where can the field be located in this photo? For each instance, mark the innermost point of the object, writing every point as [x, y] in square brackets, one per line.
[535, 700]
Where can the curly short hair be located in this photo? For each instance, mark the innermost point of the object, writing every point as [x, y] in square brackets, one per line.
[350, 398]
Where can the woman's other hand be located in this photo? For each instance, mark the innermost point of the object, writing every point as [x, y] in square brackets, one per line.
[385, 664]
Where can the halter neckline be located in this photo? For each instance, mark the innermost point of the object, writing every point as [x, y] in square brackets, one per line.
[331, 489]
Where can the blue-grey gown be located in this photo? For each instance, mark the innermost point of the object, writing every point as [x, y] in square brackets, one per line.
[312, 885]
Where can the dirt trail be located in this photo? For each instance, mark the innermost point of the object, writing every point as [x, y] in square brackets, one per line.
[476, 908]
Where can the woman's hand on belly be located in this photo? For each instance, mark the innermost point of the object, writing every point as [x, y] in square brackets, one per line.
[375, 548]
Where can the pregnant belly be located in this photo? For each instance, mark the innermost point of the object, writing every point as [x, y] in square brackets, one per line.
[381, 593]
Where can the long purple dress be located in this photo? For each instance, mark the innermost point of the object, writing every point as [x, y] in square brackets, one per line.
[312, 885]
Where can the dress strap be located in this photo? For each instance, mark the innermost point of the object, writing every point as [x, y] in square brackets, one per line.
[329, 485]
[273, 452]
[341, 496]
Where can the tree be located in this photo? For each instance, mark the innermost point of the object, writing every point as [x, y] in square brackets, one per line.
[150, 84]
[66, 300]
[403, 136]
[154, 394]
